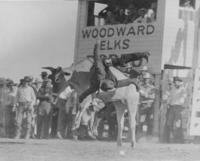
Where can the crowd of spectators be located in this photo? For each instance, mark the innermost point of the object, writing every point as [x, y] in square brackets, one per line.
[187, 3]
[115, 14]
[26, 107]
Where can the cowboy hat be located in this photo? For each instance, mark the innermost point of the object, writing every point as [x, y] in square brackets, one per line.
[44, 74]
[10, 83]
[27, 79]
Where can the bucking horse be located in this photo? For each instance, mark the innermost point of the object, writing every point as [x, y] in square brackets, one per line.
[123, 97]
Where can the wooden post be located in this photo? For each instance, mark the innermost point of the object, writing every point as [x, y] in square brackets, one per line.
[157, 105]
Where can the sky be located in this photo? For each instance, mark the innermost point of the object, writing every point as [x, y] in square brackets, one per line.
[36, 33]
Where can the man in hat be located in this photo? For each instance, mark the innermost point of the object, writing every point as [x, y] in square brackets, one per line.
[44, 75]
[66, 97]
[37, 83]
[45, 78]
[25, 99]
[188, 4]
[141, 15]
[33, 123]
[44, 109]
[131, 14]
[147, 93]
[176, 101]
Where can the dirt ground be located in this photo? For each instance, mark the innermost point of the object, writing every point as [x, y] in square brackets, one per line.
[69, 150]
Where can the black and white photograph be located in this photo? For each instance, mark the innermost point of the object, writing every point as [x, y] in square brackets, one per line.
[99, 80]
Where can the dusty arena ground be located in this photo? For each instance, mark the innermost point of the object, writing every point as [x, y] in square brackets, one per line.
[69, 150]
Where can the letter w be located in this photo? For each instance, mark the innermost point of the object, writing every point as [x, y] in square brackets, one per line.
[121, 31]
[86, 33]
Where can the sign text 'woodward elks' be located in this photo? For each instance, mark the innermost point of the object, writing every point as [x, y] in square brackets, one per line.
[117, 37]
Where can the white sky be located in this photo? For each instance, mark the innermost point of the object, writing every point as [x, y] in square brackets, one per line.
[35, 33]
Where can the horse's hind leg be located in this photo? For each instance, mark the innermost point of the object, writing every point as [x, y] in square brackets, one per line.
[120, 122]
[132, 130]
[132, 110]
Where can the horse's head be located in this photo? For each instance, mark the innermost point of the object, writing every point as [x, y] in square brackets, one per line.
[57, 77]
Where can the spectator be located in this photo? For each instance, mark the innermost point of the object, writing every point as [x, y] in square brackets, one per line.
[110, 18]
[34, 111]
[71, 110]
[188, 4]
[120, 17]
[20, 82]
[110, 14]
[131, 14]
[116, 9]
[147, 89]
[103, 13]
[26, 99]
[141, 19]
[147, 93]
[62, 115]
[10, 108]
[151, 13]
[31, 83]
[176, 102]
[44, 75]
[37, 84]
[44, 109]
